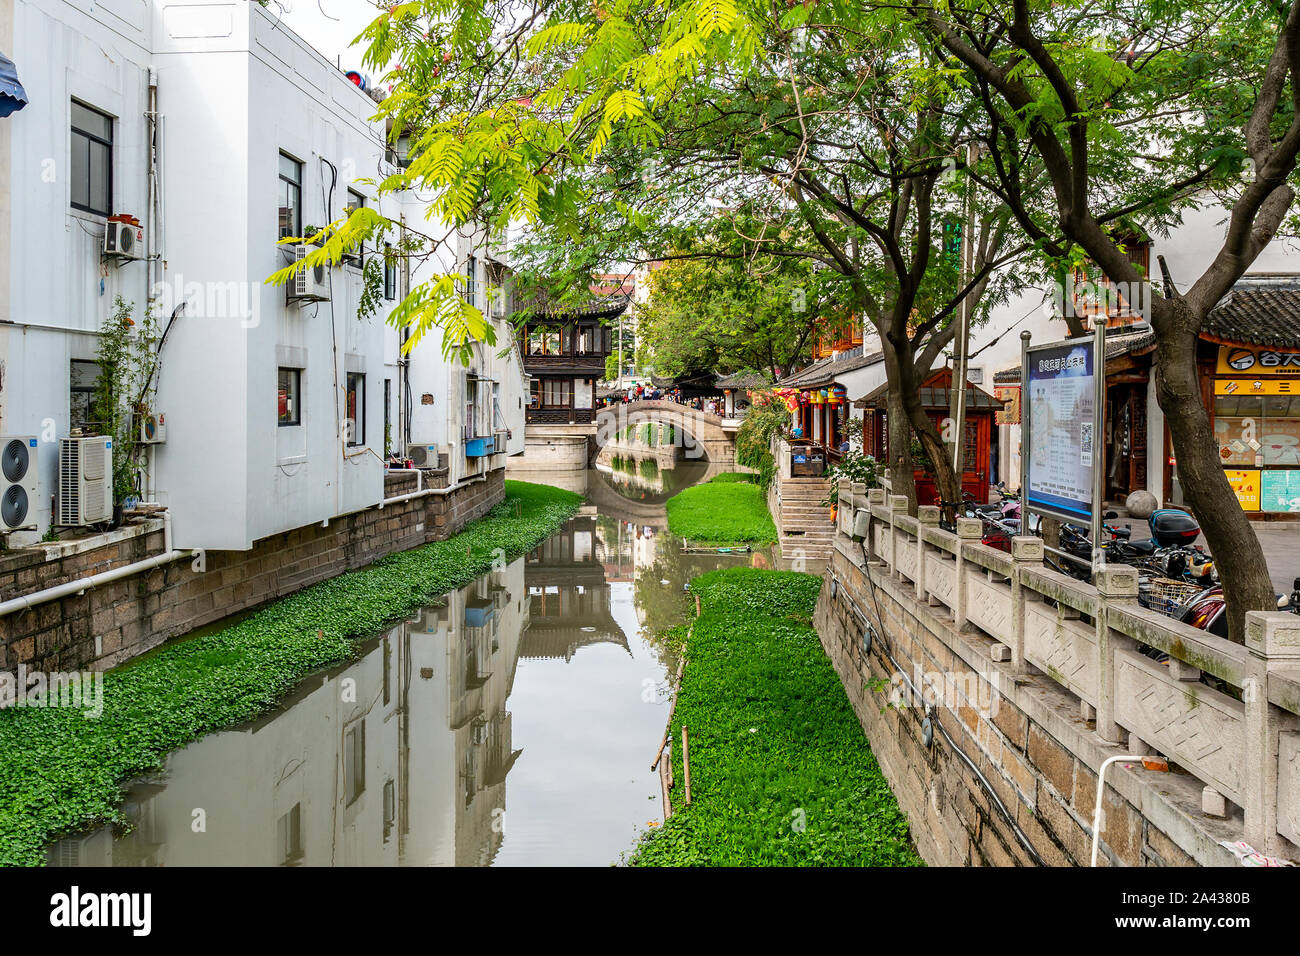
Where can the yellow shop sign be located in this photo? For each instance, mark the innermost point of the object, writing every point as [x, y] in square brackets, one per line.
[1256, 386]
[1246, 484]
[1252, 360]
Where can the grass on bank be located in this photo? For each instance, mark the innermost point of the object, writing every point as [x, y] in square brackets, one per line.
[62, 772]
[726, 510]
[781, 773]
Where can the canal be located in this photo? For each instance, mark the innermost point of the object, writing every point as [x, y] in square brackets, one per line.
[510, 722]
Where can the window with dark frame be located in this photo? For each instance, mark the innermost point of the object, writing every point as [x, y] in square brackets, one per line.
[83, 380]
[471, 280]
[356, 201]
[290, 393]
[354, 763]
[92, 160]
[289, 835]
[290, 196]
[356, 408]
[390, 272]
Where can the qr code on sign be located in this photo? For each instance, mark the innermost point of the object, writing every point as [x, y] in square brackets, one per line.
[1085, 443]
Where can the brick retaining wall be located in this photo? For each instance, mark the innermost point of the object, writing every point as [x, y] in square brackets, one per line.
[113, 623]
[1025, 734]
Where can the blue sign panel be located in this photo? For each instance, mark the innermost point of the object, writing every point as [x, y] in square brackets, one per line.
[1060, 435]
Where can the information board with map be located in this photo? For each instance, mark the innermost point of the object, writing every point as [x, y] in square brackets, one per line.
[1061, 409]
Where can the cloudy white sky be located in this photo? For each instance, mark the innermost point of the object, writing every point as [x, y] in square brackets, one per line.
[329, 25]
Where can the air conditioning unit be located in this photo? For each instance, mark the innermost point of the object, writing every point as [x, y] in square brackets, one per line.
[153, 428]
[124, 240]
[85, 481]
[308, 285]
[424, 456]
[18, 469]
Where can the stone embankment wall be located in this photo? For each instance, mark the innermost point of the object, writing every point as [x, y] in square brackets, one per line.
[992, 689]
[108, 625]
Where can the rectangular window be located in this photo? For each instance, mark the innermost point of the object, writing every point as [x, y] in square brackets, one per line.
[356, 409]
[471, 280]
[390, 273]
[390, 809]
[289, 836]
[544, 342]
[290, 403]
[471, 407]
[290, 196]
[355, 201]
[83, 380]
[354, 763]
[92, 160]
[557, 392]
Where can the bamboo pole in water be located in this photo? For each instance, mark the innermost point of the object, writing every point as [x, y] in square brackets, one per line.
[672, 709]
[686, 765]
[665, 786]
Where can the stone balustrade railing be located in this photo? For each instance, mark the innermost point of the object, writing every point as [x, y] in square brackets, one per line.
[1243, 744]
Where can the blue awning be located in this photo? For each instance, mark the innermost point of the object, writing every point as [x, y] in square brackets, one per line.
[12, 95]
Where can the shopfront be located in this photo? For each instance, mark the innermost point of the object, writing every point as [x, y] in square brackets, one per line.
[1256, 395]
[936, 398]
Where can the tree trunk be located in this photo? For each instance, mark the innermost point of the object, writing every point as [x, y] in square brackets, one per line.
[1237, 551]
[945, 479]
[901, 466]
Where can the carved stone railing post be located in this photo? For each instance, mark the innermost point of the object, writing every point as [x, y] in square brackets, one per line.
[927, 516]
[844, 509]
[1117, 584]
[969, 530]
[897, 506]
[1026, 552]
[1273, 639]
[875, 499]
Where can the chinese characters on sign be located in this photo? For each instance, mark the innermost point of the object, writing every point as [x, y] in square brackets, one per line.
[1009, 395]
[1241, 360]
[1061, 411]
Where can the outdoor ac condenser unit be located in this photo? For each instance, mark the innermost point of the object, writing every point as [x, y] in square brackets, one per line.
[424, 456]
[18, 469]
[124, 240]
[85, 481]
[153, 428]
[308, 285]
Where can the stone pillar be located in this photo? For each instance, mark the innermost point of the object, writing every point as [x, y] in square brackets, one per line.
[1026, 552]
[1116, 584]
[1273, 640]
[969, 530]
[875, 499]
[897, 506]
[927, 517]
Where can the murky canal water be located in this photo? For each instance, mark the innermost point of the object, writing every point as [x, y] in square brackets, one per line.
[509, 722]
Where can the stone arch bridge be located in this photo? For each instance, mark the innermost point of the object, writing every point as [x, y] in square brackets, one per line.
[698, 434]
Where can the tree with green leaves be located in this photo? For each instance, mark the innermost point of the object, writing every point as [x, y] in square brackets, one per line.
[732, 314]
[1202, 101]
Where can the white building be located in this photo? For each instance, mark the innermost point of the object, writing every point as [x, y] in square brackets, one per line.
[278, 413]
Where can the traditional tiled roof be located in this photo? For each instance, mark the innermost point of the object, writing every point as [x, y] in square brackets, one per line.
[604, 308]
[1262, 309]
[742, 381]
[1008, 376]
[825, 371]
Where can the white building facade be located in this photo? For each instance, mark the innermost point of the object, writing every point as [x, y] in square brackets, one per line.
[220, 131]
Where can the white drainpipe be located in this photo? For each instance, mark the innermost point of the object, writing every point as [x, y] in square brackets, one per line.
[1101, 788]
[81, 585]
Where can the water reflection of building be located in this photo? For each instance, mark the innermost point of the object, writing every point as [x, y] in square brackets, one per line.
[398, 758]
[568, 595]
